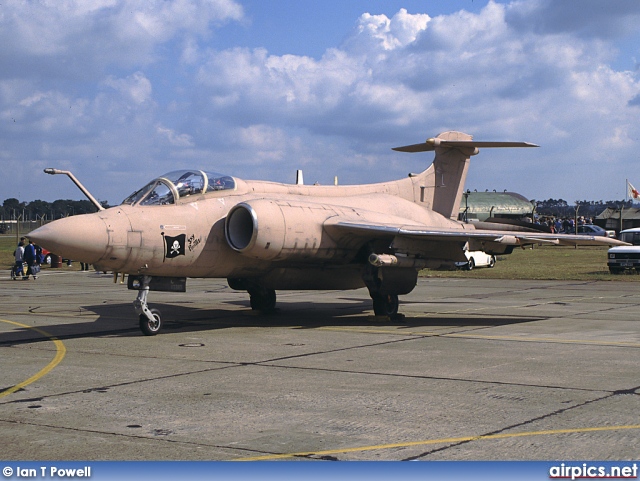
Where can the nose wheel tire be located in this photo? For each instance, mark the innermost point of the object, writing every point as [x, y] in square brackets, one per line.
[151, 327]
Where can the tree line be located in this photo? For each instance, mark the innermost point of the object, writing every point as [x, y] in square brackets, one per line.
[585, 208]
[37, 210]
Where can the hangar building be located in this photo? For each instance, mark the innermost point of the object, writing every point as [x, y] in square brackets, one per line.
[479, 206]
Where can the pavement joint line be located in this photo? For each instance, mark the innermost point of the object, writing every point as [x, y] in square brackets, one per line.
[529, 305]
[546, 416]
[132, 436]
[482, 336]
[226, 365]
[273, 364]
[129, 383]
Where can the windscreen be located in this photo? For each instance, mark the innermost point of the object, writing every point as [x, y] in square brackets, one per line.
[179, 184]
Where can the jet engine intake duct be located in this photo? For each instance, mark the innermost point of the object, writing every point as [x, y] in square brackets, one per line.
[270, 229]
[240, 226]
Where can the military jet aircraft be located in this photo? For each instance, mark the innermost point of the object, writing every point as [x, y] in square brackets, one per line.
[265, 236]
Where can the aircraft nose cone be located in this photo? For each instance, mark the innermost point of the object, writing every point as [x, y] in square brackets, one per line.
[81, 237]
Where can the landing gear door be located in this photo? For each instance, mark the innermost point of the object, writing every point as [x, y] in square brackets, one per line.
[164, 284]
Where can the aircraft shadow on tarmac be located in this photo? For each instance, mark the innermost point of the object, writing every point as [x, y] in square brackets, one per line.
[118, 320]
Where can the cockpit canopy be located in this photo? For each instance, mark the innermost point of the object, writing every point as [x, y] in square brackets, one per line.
[168, 188]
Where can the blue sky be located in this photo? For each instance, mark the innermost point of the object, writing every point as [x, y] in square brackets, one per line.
[121, 91]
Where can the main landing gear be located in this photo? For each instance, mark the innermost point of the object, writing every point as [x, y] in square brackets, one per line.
[262, 299]
[385, 305]
[385, 284]
[150, 319]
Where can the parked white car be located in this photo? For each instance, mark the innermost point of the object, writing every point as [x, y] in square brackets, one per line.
[477, 259]
[621, 258]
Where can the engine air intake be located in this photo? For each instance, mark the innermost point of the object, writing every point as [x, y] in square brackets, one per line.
[240, 226]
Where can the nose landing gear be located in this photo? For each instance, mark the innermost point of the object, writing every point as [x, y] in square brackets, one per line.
[148, 326]
[150, 319]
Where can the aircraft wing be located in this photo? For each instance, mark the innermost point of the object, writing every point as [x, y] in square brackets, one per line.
[503, 237]
[442, 243]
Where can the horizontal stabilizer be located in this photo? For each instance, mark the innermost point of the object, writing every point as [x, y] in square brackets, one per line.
[431, 144]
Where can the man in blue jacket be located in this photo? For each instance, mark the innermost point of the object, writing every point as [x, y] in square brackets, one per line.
[30, 259]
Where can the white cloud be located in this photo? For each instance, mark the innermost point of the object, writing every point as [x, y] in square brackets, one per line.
[378, 32]
[135, 87]
[177, 140]
[86, 36]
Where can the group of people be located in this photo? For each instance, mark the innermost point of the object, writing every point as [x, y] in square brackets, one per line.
[563, 225]
[26, 253]
[31, 254]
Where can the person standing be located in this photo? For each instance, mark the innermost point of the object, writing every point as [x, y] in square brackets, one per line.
[39, 254]
[30, 258]
[18, 268]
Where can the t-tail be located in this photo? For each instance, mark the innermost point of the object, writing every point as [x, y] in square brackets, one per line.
[443, 182]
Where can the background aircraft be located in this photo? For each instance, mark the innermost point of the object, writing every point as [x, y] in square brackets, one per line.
[265, 236]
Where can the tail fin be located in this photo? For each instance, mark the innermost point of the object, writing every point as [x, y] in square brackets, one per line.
[443, 182]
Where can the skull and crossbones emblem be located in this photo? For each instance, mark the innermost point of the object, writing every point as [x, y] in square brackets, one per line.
[174, 246]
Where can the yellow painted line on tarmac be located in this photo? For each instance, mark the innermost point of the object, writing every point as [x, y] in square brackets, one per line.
[60, 353]
[400, 332]
[437, 441]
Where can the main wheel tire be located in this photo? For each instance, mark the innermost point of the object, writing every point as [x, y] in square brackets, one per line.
[385, 305]
[262, 300]
[492, 261]
[471, 264]
[149, 327]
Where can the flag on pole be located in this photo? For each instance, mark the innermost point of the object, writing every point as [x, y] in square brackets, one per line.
[632, 193]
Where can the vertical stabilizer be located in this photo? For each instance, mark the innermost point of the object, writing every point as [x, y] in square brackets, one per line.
[450, 168]
[440, 187]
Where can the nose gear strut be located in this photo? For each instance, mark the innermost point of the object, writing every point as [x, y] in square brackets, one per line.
[150, 319]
